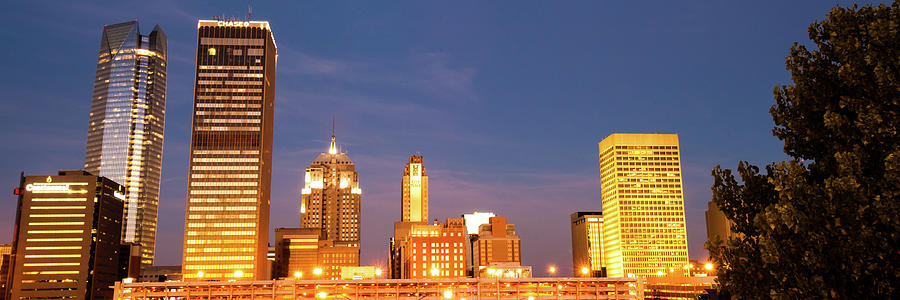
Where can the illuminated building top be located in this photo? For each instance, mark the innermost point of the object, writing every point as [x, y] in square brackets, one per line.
[414, 194]
[330, 197]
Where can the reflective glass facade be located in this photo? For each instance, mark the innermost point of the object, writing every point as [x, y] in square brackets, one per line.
[127, 121]
[643, 205]
[227, 218]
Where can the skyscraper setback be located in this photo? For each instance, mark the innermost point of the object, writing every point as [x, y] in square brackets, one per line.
[643, 206]
[227, 218]
[127, 120]
[414, 191]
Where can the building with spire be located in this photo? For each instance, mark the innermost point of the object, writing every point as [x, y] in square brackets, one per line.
[127, 120]
[643, 205]
[414, 191]
[330, 202]
[226, 230]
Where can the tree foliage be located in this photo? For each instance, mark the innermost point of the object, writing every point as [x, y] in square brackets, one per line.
[825, 224]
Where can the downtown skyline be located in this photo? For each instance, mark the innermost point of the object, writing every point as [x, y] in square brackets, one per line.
[551, 165]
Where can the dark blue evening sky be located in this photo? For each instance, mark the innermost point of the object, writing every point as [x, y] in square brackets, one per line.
[506, 100]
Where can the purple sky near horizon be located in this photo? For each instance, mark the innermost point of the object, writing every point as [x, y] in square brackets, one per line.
[505, 100]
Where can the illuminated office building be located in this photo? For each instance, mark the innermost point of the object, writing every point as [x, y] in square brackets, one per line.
[300, 254]
[643, 206]
[330, 198]
[587, 244]
[127, 120]
[414, 207]
[227, 220]
[68, 237]
[435, 251]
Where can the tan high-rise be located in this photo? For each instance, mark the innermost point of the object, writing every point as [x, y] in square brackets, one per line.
[587, 244]
[227, 218]
[643, 205]
[414, 191]
[497, 243]
[330, 198]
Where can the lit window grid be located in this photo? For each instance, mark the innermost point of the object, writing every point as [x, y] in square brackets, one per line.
[664, 206]
[213, 187]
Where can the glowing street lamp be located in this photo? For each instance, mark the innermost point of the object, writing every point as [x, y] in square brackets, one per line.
[448, 294]
[585, 270]
[708, 266]
[298, 274]
[322, 295]
[378, 272]
[552, 269]
[317, 271]
[200, 274]
[238, 274]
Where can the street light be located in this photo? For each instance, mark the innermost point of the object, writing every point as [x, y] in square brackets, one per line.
[448, 294]
[322, 295]
[200, 274]
[298, 274]
[552, 270]
[708, 266]
[238, 274]
[317, 271]
[585, 270]
[378, 272]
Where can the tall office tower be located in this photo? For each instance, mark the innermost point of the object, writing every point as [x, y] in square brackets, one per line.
[330, 199]
[227, 221]
[68, 236]
[125, 135]
[643, 205]
[414, 207]
[587, 244]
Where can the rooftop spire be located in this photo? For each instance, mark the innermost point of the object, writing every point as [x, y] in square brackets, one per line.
[332, 149]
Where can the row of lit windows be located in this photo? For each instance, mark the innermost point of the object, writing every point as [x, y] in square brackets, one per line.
[229, 175]
[54, 248]
[220, 208]
[222, 200]
[58, 199]
[54, 223]
[227, 113]
[228, 105]
[222, 232]
[213, 242]
[201, 225]
[236, 121]
[223, 192]
[439, 257]
[56, 215]
[224, 184]
[195, 250]
[249, 75]
[223, 216]
[222, 67]
[49, 272]
[219, 258]
[228, 82]
[225, 152]
[226, 168]
[217, 267]
[57, 207]
[54, 231]
[647, 185]
[227, 128]
[652, 230]
[228, 90]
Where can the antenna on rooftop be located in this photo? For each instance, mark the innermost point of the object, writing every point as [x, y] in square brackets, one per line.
[249, 11]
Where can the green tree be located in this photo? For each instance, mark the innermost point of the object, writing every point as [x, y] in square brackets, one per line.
[825, 224]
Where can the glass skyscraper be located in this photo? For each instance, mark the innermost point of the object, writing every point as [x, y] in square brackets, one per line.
[127, 120]
[227, 221]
